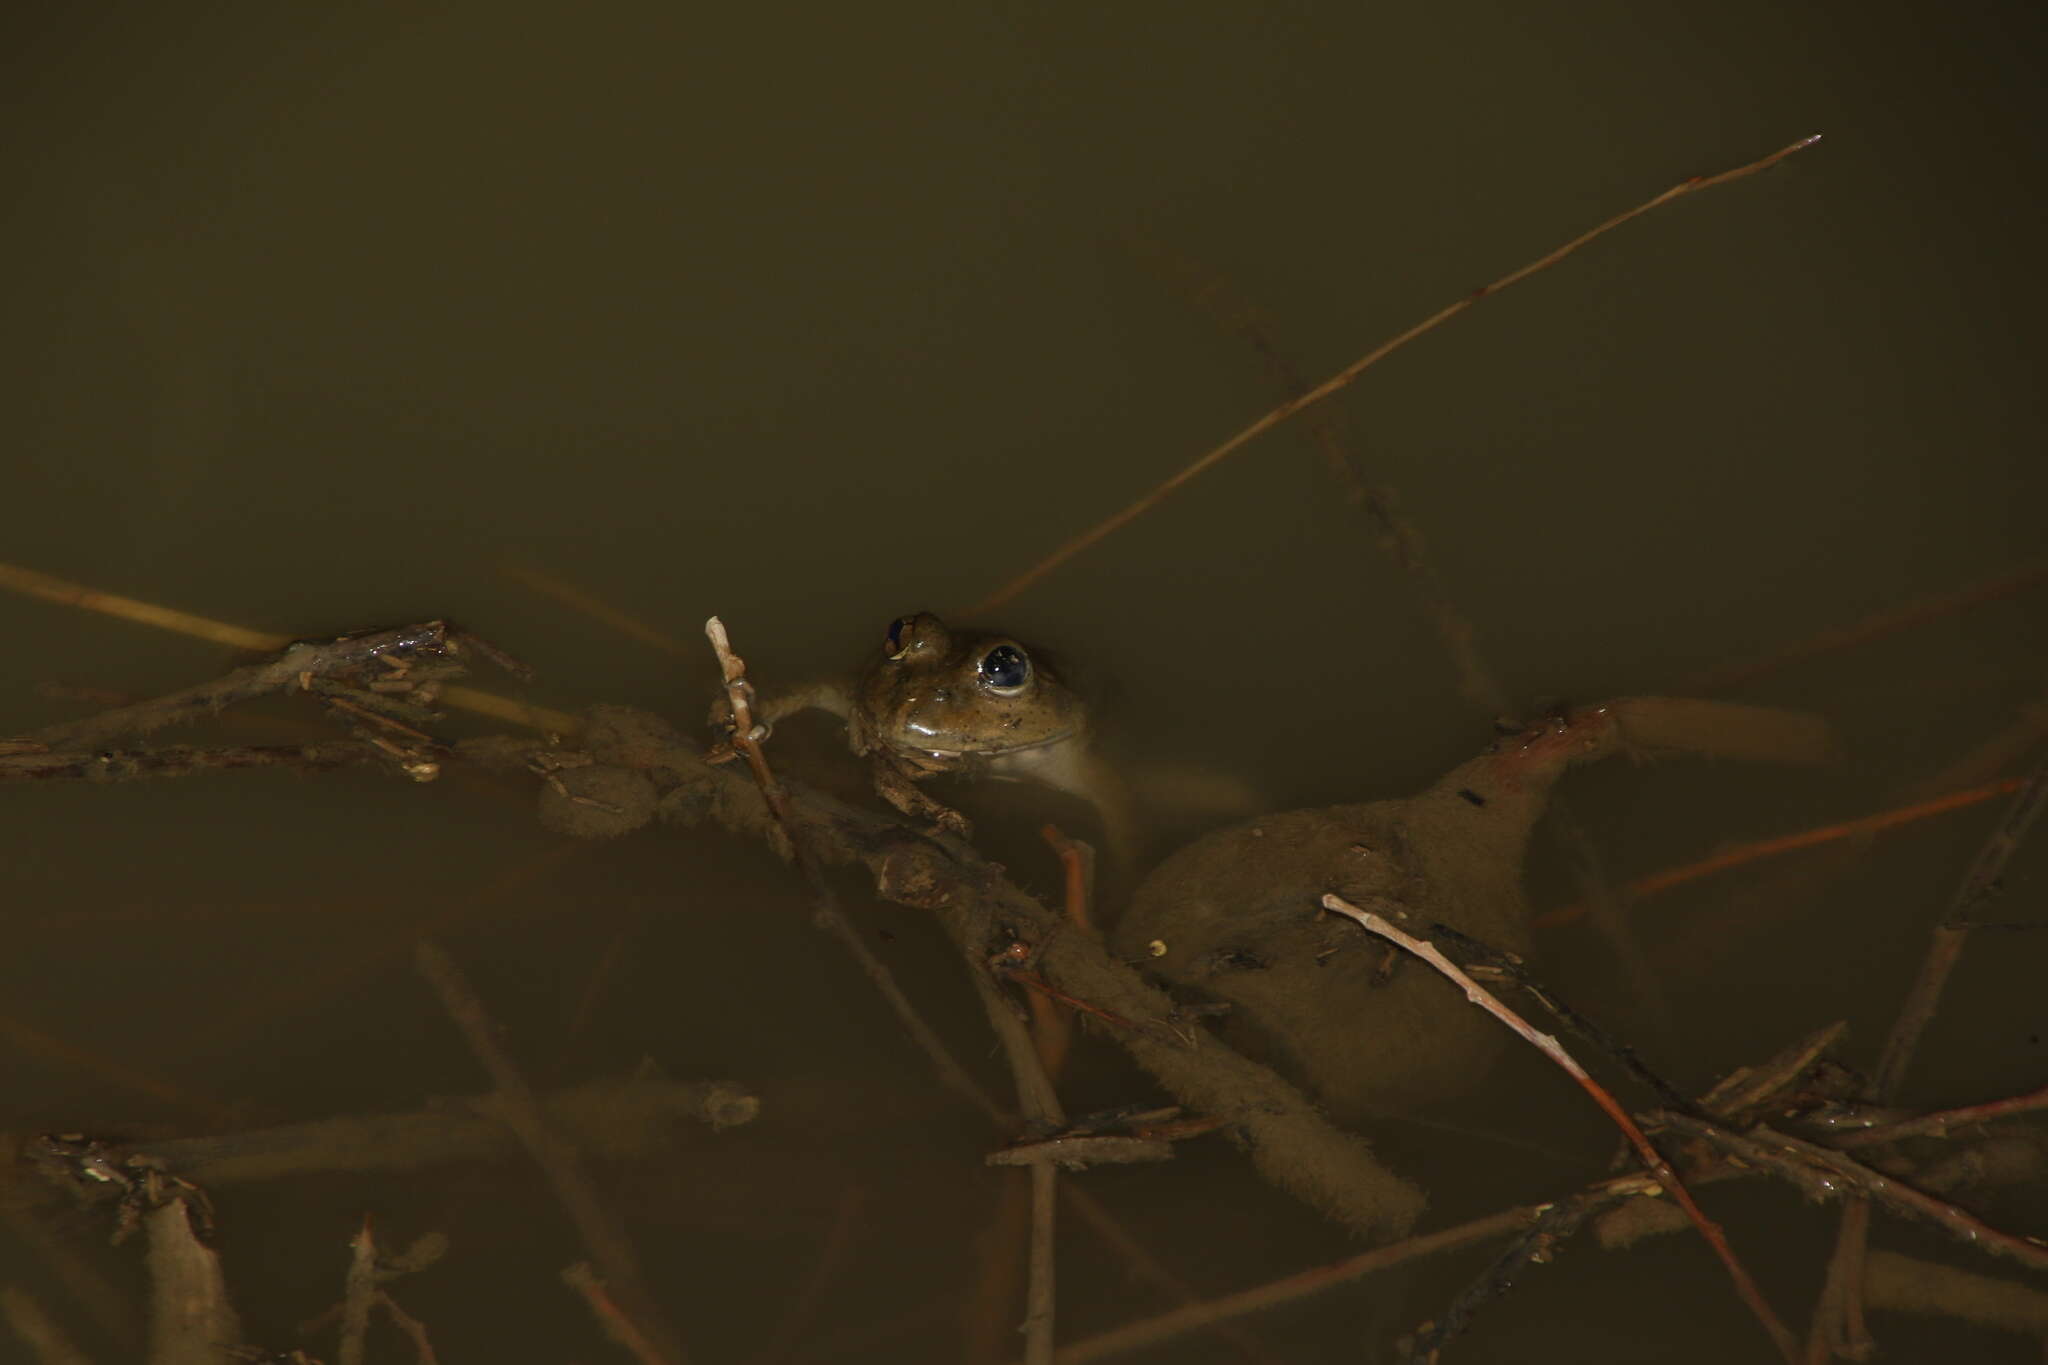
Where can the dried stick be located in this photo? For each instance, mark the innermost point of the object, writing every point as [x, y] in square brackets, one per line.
[54, 589]
[556, 1157]
[285, 671]
[1509, 968]
[51, 588]
[1651, 1158]
[1350, 372]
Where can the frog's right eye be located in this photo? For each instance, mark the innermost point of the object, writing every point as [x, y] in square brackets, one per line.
[894, 641]
[1005, 670]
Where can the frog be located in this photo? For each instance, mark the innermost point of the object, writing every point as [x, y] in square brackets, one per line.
[933, 701]
[1237, 916]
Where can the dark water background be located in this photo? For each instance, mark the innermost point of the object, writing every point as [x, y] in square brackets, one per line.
[317, 318]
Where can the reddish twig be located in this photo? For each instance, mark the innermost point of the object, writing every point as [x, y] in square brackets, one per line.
[1549, 1046]
[615, 1323]
[1917, 612]
[414, 1329]
[1343, 377]
[1789, 843]
[1052, 992]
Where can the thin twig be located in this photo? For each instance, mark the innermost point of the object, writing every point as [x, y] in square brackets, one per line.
[1556, 1224]
[1397, 538]
[576, 599]
[557, 1158]
[1350, 372]
[1510, 968]
[1549, 1046]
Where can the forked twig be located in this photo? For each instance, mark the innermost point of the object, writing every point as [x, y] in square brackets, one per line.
[1160, 492]
[1550, 1048]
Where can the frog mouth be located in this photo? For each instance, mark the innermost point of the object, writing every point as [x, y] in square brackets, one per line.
[993, 750]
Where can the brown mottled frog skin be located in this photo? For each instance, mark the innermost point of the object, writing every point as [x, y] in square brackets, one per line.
[972, 704]
[1237, 914]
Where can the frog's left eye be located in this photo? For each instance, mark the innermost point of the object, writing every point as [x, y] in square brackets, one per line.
[1005, 670]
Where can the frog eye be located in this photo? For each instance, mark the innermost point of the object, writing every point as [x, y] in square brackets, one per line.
[1005, 670]
[894, 644]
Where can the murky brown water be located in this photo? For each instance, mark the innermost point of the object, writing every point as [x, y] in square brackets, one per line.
[809, 319]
